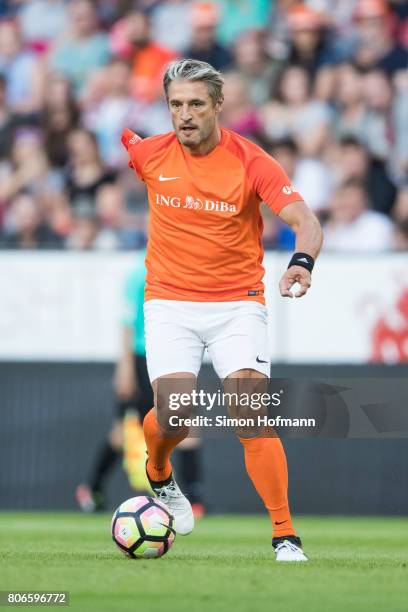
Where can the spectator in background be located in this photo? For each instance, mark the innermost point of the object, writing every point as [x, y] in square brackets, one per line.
[376, 46]
[352, 226]
[204, 18]
[6, 10]
[349, 103]
[401, 235]
[174, 12]
[109, 207]
[26, 228]
[259, 71]
[400, 208]
[310, 175]
[42, 21]
[8, 122]
[131, 38]
[354, 162]
[126, 230]
[110, 11]
[325, 123]
[400, 10]
[236, 17]
[310, 46]
[30, 170]
[400, 216]
[400, 117]
[116, 110]
[23, 71]
[86, 172]
[340, 18]
[338, 12]
[59, 116]
[238, 113]
[100, 224]
[294, 113]
[377, 123]
[368, 111]
[88, 233]
[84, 48]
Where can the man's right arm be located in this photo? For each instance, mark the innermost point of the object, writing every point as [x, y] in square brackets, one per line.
[132, 142]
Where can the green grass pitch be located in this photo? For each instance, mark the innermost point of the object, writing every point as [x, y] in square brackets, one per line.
[357, 564]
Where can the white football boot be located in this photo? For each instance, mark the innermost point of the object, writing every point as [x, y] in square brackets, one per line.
[288, 548]
[169, 493]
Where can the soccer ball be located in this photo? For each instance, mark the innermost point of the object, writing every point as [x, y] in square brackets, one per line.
[143, 528]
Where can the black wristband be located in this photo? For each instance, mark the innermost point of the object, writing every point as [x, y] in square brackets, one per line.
[302, 259]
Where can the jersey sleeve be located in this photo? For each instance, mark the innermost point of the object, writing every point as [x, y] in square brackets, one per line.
[134, 146]
[270, 182]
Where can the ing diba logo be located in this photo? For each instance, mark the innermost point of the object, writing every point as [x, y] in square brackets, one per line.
[193, 203]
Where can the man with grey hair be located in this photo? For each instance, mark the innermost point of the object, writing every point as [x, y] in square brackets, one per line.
[204, 284]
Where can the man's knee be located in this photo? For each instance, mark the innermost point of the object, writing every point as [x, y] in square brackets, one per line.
[173, 399]
[247, 373]
[245, 388]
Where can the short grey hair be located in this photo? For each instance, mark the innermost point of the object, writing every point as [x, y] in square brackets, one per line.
[195, 70]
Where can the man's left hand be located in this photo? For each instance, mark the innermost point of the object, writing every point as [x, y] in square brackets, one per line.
[295, 274]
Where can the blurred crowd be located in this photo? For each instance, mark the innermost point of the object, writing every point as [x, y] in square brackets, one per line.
[321, 84]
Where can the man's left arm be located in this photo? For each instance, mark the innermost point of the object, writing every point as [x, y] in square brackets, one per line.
[309, 238]
[273, 186]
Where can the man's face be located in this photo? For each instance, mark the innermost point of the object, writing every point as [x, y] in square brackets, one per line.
[193, 113]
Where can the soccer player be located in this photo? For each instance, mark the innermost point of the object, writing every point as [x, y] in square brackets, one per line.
[134, 395]
[204, 284]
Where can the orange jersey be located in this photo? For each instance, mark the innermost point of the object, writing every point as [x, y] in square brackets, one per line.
[205, 225]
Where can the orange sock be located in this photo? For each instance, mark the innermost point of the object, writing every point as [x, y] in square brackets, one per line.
[265, 462]
[159, 447]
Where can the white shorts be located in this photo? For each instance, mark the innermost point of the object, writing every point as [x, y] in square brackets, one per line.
[177, 333]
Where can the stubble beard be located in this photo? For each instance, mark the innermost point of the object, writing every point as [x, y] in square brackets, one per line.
[201, 136]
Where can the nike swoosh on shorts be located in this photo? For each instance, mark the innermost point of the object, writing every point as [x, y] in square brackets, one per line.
[260, 360]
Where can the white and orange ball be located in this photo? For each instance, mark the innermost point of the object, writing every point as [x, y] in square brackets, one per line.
[143, 528]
